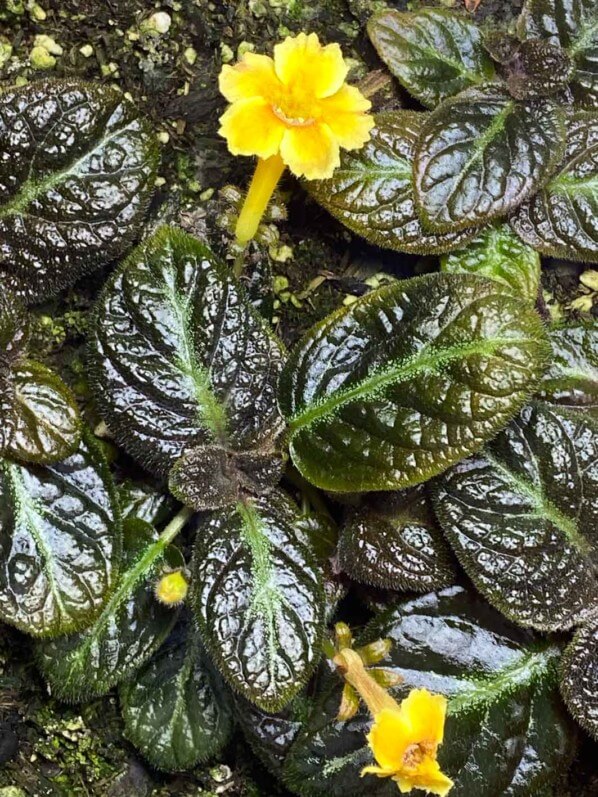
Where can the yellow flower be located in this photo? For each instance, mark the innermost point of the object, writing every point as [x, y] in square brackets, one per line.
[405, 742]
[292, 110]
[172, 588]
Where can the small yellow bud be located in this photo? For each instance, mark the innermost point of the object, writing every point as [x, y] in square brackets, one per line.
[172, 588]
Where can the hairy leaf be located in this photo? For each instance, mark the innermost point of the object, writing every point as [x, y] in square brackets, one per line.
[371, 192]
[579, 676]
[60, 542]
[75, 188]
[481, 154]
[269, 735]
[145, 502]
[179, 358]
[434, 52]
[572, 377]
[522, 517]
[395, 543]
[408, 380]
[506, 733]
[176, 710]
[499, 254]
[258, 597]
[562, 219]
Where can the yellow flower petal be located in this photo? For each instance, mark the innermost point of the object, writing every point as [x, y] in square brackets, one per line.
[389, 738]
[301, 62]
[378, 771]
[426, 714]
[427, 777]
[345, 114]
[252, 128]
[311, 152]
[253, 76]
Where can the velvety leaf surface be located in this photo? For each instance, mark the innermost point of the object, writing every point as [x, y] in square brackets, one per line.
[14, 326]
[496, 252]
[562, 219]
[176, 710]
[573, 24]
[145, 502]
[481, 154]
[522, 517]
[258, 597]
[131, 626]
[179, 358]
[506, 733]
[579, 676]
[572, 377]
[394, 542]
[60, 542]
[371, 192]
[408, 380]
[74, 191]
[434, 52]
[270, 735]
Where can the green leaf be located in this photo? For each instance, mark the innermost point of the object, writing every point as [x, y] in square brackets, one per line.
[258, 597]
[145, 502]
[371, 192]
[506, 733]
[74, 191]
[435, 53]
[394, 543]
[562, 219]
[408, 380]
[572, 377]
[579, 676]
[481, 154]
[522, 517]
[179, 358]
[270, 735]
[176, 711]
[60, 542]
[573, 24]
[500, 255]
[14, 327]
[130, 628]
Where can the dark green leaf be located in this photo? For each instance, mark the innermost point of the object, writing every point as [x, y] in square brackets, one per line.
[14, 326]
[506, 733]
[499, 254]
[435, 53]
[394, 543]
[131, 626]
[572, 377]
[146, 502]
[538, 69]
[259, 600]
[573, 24]
[579, 676]
[75, 188]
[371, 192]
[179, 358]
[176, 710]
[481, 154]
[562, 219]
[60, 542]
[522, 517]
[408, 380]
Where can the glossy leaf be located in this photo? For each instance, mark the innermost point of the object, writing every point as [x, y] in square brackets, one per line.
[562, 219]
[270, 735]
[258, 597]
[60, 542]
[179, 358]
[434, 52]
[572, 377]
[131, 626]
[579, 676]
[522, 517]
[176, 710]
[394, 542]
[506, 733]
[572, 24]
[14, 327]
[371, 192]
[408, 380]
[145, 502]
[481, 154]
[500, 255]
[74, 191]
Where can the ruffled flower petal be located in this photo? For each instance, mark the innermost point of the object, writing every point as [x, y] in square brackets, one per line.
[389, 738]
[253, 76]
[426, 715]
[252, 128]
[302, 63]
[428, 778]
[311, 152]
[346, 115]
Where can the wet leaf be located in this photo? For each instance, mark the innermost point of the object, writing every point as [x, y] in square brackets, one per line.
[258, 597]
[562, 219]
[179, 358]
[522, 517]
[60, 542]
[74, 191]
[507, 732]
[408, 380]
[572, 377]
[579, 677]
[434, 52]
[371, 192]
[481, 154]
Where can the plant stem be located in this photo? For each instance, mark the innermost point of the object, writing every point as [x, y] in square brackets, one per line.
[267, 174]
[175, 525]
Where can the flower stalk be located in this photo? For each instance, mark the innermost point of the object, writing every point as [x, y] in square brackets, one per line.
[265, 179]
